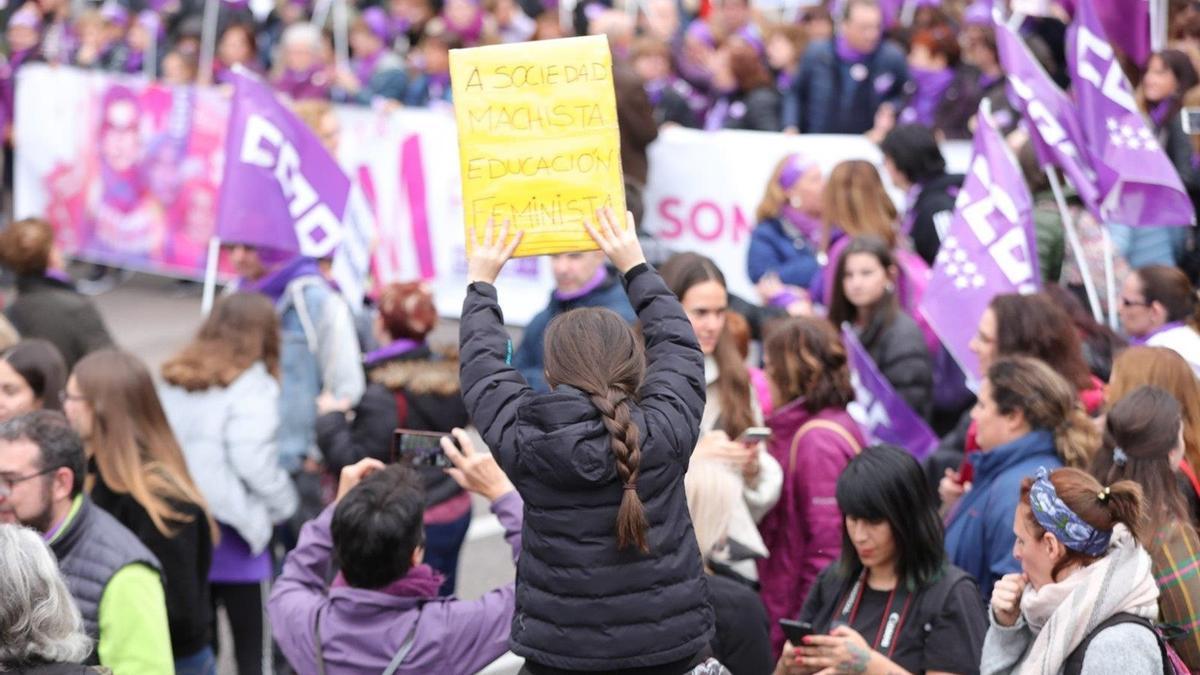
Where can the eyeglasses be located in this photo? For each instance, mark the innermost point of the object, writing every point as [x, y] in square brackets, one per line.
[63, 397]
[7, 483]
[1126, 302]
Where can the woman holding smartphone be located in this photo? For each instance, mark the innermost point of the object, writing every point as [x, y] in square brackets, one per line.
[731, 428]
[892, 573]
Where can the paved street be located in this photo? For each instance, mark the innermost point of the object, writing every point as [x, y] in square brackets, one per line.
[153, 317]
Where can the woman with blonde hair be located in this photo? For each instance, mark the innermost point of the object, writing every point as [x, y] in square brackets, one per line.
[789, 234]
[1165, 368]
[1027, 416]
[221, 398]
[138, 474]
[742, 643]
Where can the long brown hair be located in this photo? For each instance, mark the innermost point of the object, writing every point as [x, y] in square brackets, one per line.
[1145, 426]
[135, 450]
[840, 307]
[241, 330]
[681, 272]
[806, 359]
[1164, 368]
[1081, 493]
[1047, 401]
[595, 351]
[856, 201]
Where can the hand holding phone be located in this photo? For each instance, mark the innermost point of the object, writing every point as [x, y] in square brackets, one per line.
[419, 448]
[754, 435]
[796, 631]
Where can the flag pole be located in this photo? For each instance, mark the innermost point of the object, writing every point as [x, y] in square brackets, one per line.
[1110, 277]
[150, 62]
[210, 275]
[341, 34]
[208, 40]
[1073, 240]
[1158, 25]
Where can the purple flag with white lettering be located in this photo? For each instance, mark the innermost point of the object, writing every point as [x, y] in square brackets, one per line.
[1138, 184]
[882, 414]
[988, 248]
[1126, 22]
[282, 189]
[1051, 117]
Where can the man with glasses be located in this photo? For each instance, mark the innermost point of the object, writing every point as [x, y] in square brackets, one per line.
[114, 579]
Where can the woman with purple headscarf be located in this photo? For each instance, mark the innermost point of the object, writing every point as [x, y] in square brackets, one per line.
[789, 231]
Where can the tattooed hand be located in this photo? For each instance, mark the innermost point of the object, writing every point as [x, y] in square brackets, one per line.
[842, 652]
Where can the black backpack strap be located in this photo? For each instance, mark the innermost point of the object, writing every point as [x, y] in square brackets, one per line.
[1074, 663]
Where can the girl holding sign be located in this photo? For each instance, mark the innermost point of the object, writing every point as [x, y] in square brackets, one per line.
[611, 575]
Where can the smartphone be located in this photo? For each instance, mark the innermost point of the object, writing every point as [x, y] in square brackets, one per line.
[754, 435]
[1191, 121]
[420, 448]
[796, 631]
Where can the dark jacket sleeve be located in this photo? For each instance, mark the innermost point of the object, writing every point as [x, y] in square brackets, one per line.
[673, 389]
[924, 232]
[528, 359]
[90, 332]
[343, 442]
[762, 110]
[492, 389]
[797, 268]
[905, 363]
[1180, 150]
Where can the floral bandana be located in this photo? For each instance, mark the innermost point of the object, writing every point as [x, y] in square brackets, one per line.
[1059, 520]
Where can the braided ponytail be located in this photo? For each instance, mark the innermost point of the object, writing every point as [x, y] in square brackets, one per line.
[596, 352]
[631, 517]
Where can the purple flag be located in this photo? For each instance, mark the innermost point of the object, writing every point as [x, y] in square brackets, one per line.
[282, 189]
[1126, 22]
[1138, 184]
[1052, 119]
[988, 248]
[882, 414]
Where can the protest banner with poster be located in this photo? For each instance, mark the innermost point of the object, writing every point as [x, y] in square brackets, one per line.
[538, 140]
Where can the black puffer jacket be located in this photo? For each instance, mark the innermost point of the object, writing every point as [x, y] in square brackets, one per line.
[932, 212]
[899, 351]
[582, 604]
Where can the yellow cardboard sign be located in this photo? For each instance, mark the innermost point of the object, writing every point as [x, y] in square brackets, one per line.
[538, 139]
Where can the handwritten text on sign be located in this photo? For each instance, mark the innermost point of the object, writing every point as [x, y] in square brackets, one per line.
[538, 139]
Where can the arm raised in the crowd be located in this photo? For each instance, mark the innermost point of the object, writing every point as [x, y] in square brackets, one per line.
[300, 591]
[252, 450]
[492, 389]
[484, 624]
[134, 637]
[338, 352]
[674, 383]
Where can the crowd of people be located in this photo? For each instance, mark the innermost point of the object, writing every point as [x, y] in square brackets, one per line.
[678, 471]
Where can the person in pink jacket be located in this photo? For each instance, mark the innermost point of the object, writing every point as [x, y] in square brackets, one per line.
[813, 438]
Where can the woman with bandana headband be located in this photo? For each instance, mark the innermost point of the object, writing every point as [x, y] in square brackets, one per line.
[789, 232]
[1143, 442]
[1086, 597]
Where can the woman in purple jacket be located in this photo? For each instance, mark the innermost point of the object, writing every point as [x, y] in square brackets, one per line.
[813, 438]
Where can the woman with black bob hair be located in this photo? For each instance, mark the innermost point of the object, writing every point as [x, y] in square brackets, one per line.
[914, 161]
[892, 603]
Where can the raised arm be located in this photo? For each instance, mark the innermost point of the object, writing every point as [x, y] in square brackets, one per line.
[491, 388]
[674, 383]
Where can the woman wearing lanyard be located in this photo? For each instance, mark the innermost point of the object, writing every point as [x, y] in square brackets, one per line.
[892, 604]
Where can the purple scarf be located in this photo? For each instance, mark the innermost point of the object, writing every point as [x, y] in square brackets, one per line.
[421, 581]
[300, 85]
[396, 348]
[931, 85]
[910, 205]
[1139, 341]
[274, 283]
[847, 53]
[1159, 113]
[594, 283]
[364, 68]
[805, 227]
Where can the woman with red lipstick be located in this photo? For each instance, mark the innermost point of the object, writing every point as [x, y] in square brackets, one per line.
[892, 603]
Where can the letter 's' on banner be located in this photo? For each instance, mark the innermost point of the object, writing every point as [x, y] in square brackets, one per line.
[538, 139]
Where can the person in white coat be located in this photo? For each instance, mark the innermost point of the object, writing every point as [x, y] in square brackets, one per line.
[221, 396]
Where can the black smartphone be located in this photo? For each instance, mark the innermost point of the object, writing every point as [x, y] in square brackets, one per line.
[796, 631]
[420, 448]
